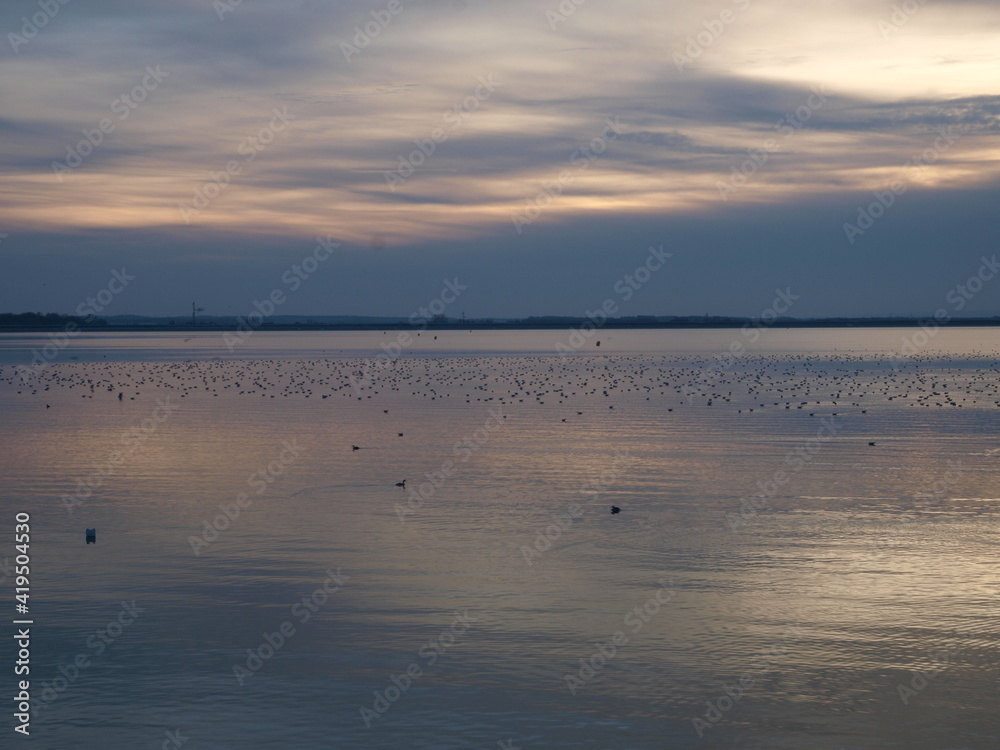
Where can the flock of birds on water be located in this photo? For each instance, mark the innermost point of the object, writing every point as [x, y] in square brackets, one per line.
[819, 385]
[795, 382]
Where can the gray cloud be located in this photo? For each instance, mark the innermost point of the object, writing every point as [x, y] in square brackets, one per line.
[684, 130]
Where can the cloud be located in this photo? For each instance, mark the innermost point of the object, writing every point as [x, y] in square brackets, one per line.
[417, 71]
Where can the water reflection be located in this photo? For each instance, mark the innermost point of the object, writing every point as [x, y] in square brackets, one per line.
[861, 570]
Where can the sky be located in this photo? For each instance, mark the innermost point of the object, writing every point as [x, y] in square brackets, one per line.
[531, 154]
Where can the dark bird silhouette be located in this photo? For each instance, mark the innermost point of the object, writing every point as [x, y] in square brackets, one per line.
[871, 443]
[355, 448]
[401, 484]
[615, 509]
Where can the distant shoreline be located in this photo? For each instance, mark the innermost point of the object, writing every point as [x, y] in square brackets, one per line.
[525, 325]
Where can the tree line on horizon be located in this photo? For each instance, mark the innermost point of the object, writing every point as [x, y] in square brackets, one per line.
[48, 320]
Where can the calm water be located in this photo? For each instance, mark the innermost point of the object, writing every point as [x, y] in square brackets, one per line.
[852, 588]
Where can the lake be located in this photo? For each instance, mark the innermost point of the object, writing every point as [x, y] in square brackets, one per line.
[805, 553]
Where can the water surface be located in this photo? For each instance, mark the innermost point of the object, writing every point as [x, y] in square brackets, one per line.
[761, 536]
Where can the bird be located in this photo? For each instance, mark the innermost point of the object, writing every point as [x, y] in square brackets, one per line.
[355, 448]
[401, 484]
[615, 509]
[872, 443]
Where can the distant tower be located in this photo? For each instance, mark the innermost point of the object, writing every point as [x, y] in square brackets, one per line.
[194, 310]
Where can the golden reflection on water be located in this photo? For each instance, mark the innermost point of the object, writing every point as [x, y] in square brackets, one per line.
[863, 566]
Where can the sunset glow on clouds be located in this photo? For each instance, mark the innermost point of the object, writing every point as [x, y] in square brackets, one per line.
[455, 118]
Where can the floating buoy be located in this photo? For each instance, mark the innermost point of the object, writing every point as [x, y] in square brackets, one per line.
[91, 536]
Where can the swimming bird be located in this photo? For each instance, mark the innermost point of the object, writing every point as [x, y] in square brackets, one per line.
[401, 484]
[355, 448]
[615, 509]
